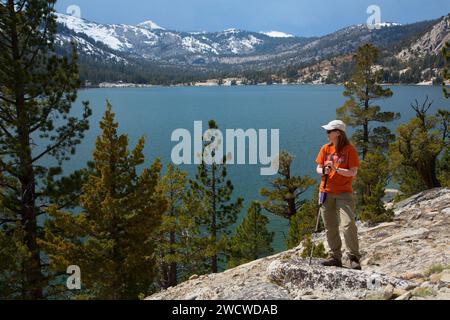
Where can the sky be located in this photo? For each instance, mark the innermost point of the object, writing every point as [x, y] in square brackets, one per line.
[297, 17]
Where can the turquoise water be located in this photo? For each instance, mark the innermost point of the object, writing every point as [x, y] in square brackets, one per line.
[298, 111]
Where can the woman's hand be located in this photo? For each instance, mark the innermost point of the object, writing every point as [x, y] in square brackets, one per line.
[323, 170]
[330, 164]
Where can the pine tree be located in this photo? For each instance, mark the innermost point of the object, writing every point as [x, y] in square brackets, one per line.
[419, 144]
[444, 162]
[285, 198]
[443, 168]
[446, 71]
[113, 239]
[372, 207]
[37, 88]
[211, 186]
[251, 240]
[358, 111]
[303, 223]
[179, 236]
[405, 176]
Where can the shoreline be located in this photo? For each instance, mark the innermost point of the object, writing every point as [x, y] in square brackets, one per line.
[147, 86]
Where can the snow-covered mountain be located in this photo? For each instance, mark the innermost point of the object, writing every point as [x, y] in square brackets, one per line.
[149, 41]
[231, 49]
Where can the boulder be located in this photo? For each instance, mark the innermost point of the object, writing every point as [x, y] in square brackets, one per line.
[299, 277]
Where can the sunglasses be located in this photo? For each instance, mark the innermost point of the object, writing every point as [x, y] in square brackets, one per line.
[330, 131]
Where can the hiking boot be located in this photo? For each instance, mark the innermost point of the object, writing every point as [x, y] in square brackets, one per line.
[354, 263]
[332, 262]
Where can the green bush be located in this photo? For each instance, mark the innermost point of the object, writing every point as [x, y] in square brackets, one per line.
[319, 249]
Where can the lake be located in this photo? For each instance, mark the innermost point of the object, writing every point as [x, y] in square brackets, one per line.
[297, 111]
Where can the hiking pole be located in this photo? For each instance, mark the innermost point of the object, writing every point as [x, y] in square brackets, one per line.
[322, 198]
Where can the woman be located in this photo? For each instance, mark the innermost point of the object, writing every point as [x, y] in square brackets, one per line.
[339, 160]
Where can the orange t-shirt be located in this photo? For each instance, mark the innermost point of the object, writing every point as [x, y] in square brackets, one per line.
[346, 159]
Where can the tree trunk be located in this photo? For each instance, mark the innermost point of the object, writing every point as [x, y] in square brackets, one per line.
[164, 281]
[366, 190]
[428, 175]
[292, 210]
[255, 233]
[172, 276]
[366, 127]
[365, 141]
[291, 207]
[213, 220]
[33, 273]
[117, 283]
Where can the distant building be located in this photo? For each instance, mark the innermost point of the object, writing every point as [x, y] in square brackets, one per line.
[208, 83]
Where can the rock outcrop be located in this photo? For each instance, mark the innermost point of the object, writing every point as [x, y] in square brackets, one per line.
[303, 280]
[430, 43]
[408, 258]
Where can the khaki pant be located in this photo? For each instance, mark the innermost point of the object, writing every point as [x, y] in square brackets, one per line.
[339, 208]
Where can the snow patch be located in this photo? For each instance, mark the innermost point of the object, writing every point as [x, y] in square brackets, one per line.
[97, 32]
[277, 34]
[244, 45]
[88, 49]
[388, 24]
[195, 46]
[149, 24]
[231, 30]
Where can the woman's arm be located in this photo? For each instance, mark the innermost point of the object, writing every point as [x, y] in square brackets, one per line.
[319, 170]
[352, 172]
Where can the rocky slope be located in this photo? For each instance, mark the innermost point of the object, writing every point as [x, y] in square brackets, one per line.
[431, 42]
[408, 258]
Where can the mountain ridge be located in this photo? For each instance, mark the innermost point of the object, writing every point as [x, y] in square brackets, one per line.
[231, 51]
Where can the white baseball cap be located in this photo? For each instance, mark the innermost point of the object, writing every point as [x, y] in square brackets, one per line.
[335, 125]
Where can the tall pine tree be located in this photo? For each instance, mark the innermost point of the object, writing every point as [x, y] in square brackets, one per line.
[418, 146]
[37, 88]
[211, 186]
[359, 111]
[285, 197]
[113, 239]
[251, 240]
[179, 238]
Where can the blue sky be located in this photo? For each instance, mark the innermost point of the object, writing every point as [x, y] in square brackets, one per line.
[298, 17]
